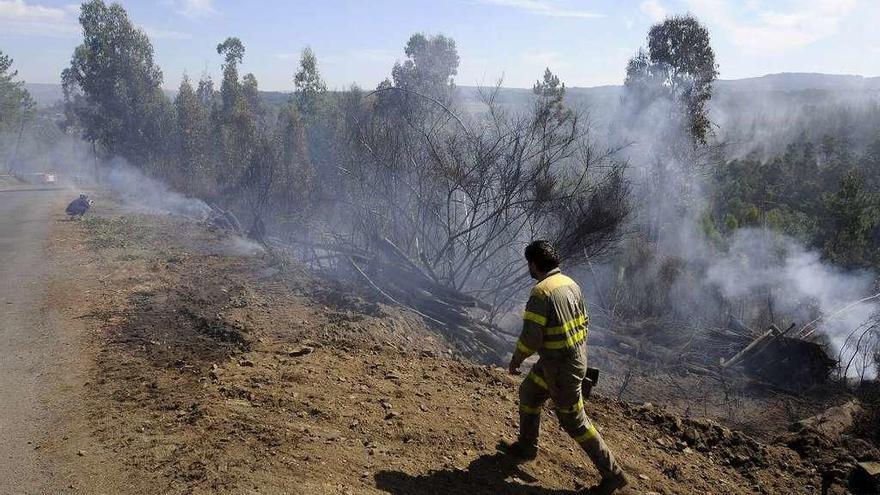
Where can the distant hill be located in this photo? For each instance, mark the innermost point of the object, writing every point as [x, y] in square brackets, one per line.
[759, 113]
[732, 98]
[802, 81]
[45, 94]
[48, 94]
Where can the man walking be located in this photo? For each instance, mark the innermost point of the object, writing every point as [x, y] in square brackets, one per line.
[555, 326]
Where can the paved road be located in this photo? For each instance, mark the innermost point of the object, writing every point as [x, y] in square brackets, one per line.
[29, 342]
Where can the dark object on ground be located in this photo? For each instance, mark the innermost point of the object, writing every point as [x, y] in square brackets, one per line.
[302, 351]
[826, 441]
[590, 381]
[791, 363]
[866, 478]
[79, 206]
[787, 362]
[518, 450]
[834, 422]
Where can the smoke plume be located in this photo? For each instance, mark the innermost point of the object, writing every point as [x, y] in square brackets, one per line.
[143, 194]
[755, 274]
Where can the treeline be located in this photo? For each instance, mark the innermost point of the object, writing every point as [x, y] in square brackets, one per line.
[344, 173]
[822, 193]
[336, 174]
[220, 144]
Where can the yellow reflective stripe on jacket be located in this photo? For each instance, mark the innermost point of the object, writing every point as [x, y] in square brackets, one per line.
[537, 379]
[590, 433]
[570, 340]
[524, 348]
[567, 326]
[535, 317]
[529, 410]
[573, 409]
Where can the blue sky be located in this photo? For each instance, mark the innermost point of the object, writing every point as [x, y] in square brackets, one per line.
[586, 42]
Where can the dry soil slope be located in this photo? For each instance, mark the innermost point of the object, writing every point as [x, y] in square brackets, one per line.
[219, 372]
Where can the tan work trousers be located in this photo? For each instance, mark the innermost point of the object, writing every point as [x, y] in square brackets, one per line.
[560, 380]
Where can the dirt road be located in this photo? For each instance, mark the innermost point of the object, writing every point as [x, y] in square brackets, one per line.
[31, 346]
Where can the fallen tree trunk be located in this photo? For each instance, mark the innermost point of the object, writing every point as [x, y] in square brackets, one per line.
[757, 344]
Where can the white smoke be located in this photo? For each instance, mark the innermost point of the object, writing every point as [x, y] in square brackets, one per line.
[805, 289]
[755, 265]
[141, 193]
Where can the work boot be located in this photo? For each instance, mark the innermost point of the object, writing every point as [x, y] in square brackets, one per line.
[607, 486]
[520, 450]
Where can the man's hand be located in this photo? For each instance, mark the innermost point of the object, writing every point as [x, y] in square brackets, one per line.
[513, 367]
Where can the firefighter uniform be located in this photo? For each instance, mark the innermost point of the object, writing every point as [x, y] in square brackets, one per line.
[555, 325]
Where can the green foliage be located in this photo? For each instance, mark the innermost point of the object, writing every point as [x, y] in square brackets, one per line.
[421, 90]
[823, 195]
[751, 215]
[458, 195]
[870, 165]
[116, 232]
[252, 98]
[113, 88]
[223, 146]
[232, 50]
[193, 115]
[663, 113]
[730, 222]
[294, 175]
[550, 88]
[852, 214]
[551, 93]
[431, 64]
[291, 136]
[792, 223]
[709, 229]
[309, 87]
[16, 104]
[236, 119]
[680, 66]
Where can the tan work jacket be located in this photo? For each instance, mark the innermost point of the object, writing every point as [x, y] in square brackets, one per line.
[555, 322]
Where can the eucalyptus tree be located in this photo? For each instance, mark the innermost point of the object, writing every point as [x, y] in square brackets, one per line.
[679, 65]
[309, 87]
[113, 88]
[664, 124]
[194, 138]
[236, 118]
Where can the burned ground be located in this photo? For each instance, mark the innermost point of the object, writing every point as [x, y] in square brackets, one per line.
[218, 371]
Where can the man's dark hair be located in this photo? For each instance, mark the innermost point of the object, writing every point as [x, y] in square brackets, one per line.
[543, 255]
